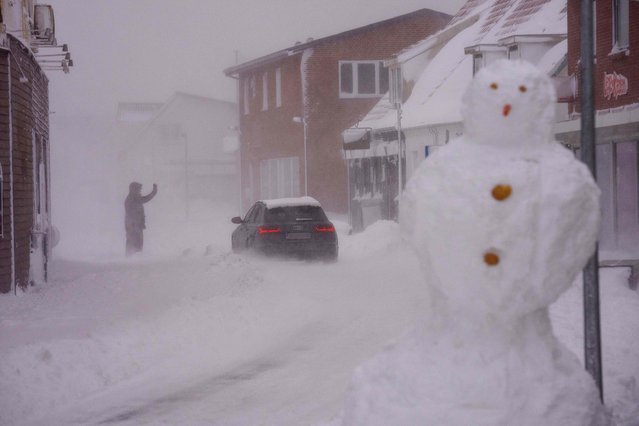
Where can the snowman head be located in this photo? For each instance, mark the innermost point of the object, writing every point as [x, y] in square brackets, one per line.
[509, 104]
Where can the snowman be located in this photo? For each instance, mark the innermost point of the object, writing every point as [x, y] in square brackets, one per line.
[502, 220]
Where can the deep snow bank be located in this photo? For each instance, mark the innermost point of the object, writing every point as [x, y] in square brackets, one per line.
[202, 317]
[620, 323]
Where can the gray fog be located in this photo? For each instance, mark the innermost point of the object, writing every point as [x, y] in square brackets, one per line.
[146, 51]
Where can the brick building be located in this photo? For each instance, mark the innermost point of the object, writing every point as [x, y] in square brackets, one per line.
[26, 233]
[616, 76]
[294, 104]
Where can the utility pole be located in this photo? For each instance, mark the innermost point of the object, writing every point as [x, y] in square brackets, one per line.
[592, 325]
[396, 95]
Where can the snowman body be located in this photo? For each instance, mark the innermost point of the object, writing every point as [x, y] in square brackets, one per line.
[502, 220]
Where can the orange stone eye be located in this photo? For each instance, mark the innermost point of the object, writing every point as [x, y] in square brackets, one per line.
[522, 88]
[493, 86]
[501, 192]
[491, 259]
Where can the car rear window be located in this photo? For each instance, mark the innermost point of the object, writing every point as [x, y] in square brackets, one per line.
[295, 214]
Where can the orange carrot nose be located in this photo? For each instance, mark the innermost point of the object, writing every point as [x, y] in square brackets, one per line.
[507, 109]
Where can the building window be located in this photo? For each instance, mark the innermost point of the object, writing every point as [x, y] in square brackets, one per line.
[620, 25]
[245, 97]
[264, 91]
[278, 87]
[362, 79]
[618, 179]
[477, 63]
[280, 178]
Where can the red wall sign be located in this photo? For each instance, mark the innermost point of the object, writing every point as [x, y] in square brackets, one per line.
[615, 85]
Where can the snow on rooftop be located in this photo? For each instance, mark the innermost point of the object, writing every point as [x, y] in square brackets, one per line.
[552, 60]
[436, 39]
[449, 73]
[136, 115]
[534, 17]
[354, 135]
[291, 202]
[436, 96]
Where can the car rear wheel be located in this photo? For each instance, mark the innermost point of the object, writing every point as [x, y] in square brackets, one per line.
[331, 255]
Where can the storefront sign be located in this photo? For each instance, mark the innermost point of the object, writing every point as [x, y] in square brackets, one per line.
[615, 85]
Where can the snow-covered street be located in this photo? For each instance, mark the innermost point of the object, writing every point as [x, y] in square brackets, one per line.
[456, 183]
[127, 335]
[230, 340]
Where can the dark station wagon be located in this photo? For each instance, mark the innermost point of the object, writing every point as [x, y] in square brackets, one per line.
[286, 226]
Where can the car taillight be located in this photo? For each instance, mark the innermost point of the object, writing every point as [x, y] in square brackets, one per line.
[268, 230]
[320, 228]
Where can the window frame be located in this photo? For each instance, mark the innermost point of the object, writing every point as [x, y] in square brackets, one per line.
[620, 7]
[379, 68]
[280, 177]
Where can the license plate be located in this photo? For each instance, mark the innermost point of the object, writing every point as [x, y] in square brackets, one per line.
[298, 236]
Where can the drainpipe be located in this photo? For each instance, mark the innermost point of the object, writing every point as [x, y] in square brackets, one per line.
[237, 130]
[305, 156]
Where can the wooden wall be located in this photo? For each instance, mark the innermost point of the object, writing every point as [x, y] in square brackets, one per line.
[24, 111]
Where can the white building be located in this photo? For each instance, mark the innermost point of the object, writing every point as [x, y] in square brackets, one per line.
[187, 146]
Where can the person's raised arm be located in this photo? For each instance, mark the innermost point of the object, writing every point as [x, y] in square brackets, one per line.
[150, 195]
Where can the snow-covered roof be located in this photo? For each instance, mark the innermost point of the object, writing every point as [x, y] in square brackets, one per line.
[137, 111]
[433, 40]
[291, 202]
[438, 89]
[163, 108]
[554, 59]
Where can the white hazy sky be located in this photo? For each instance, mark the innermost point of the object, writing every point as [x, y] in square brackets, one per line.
[144, 50]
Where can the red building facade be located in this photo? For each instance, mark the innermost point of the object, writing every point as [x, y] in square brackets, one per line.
[26, 232]
[24, 162]
[295, 103]
[616, 76]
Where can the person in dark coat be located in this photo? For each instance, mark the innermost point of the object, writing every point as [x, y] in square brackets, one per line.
[134, 220]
